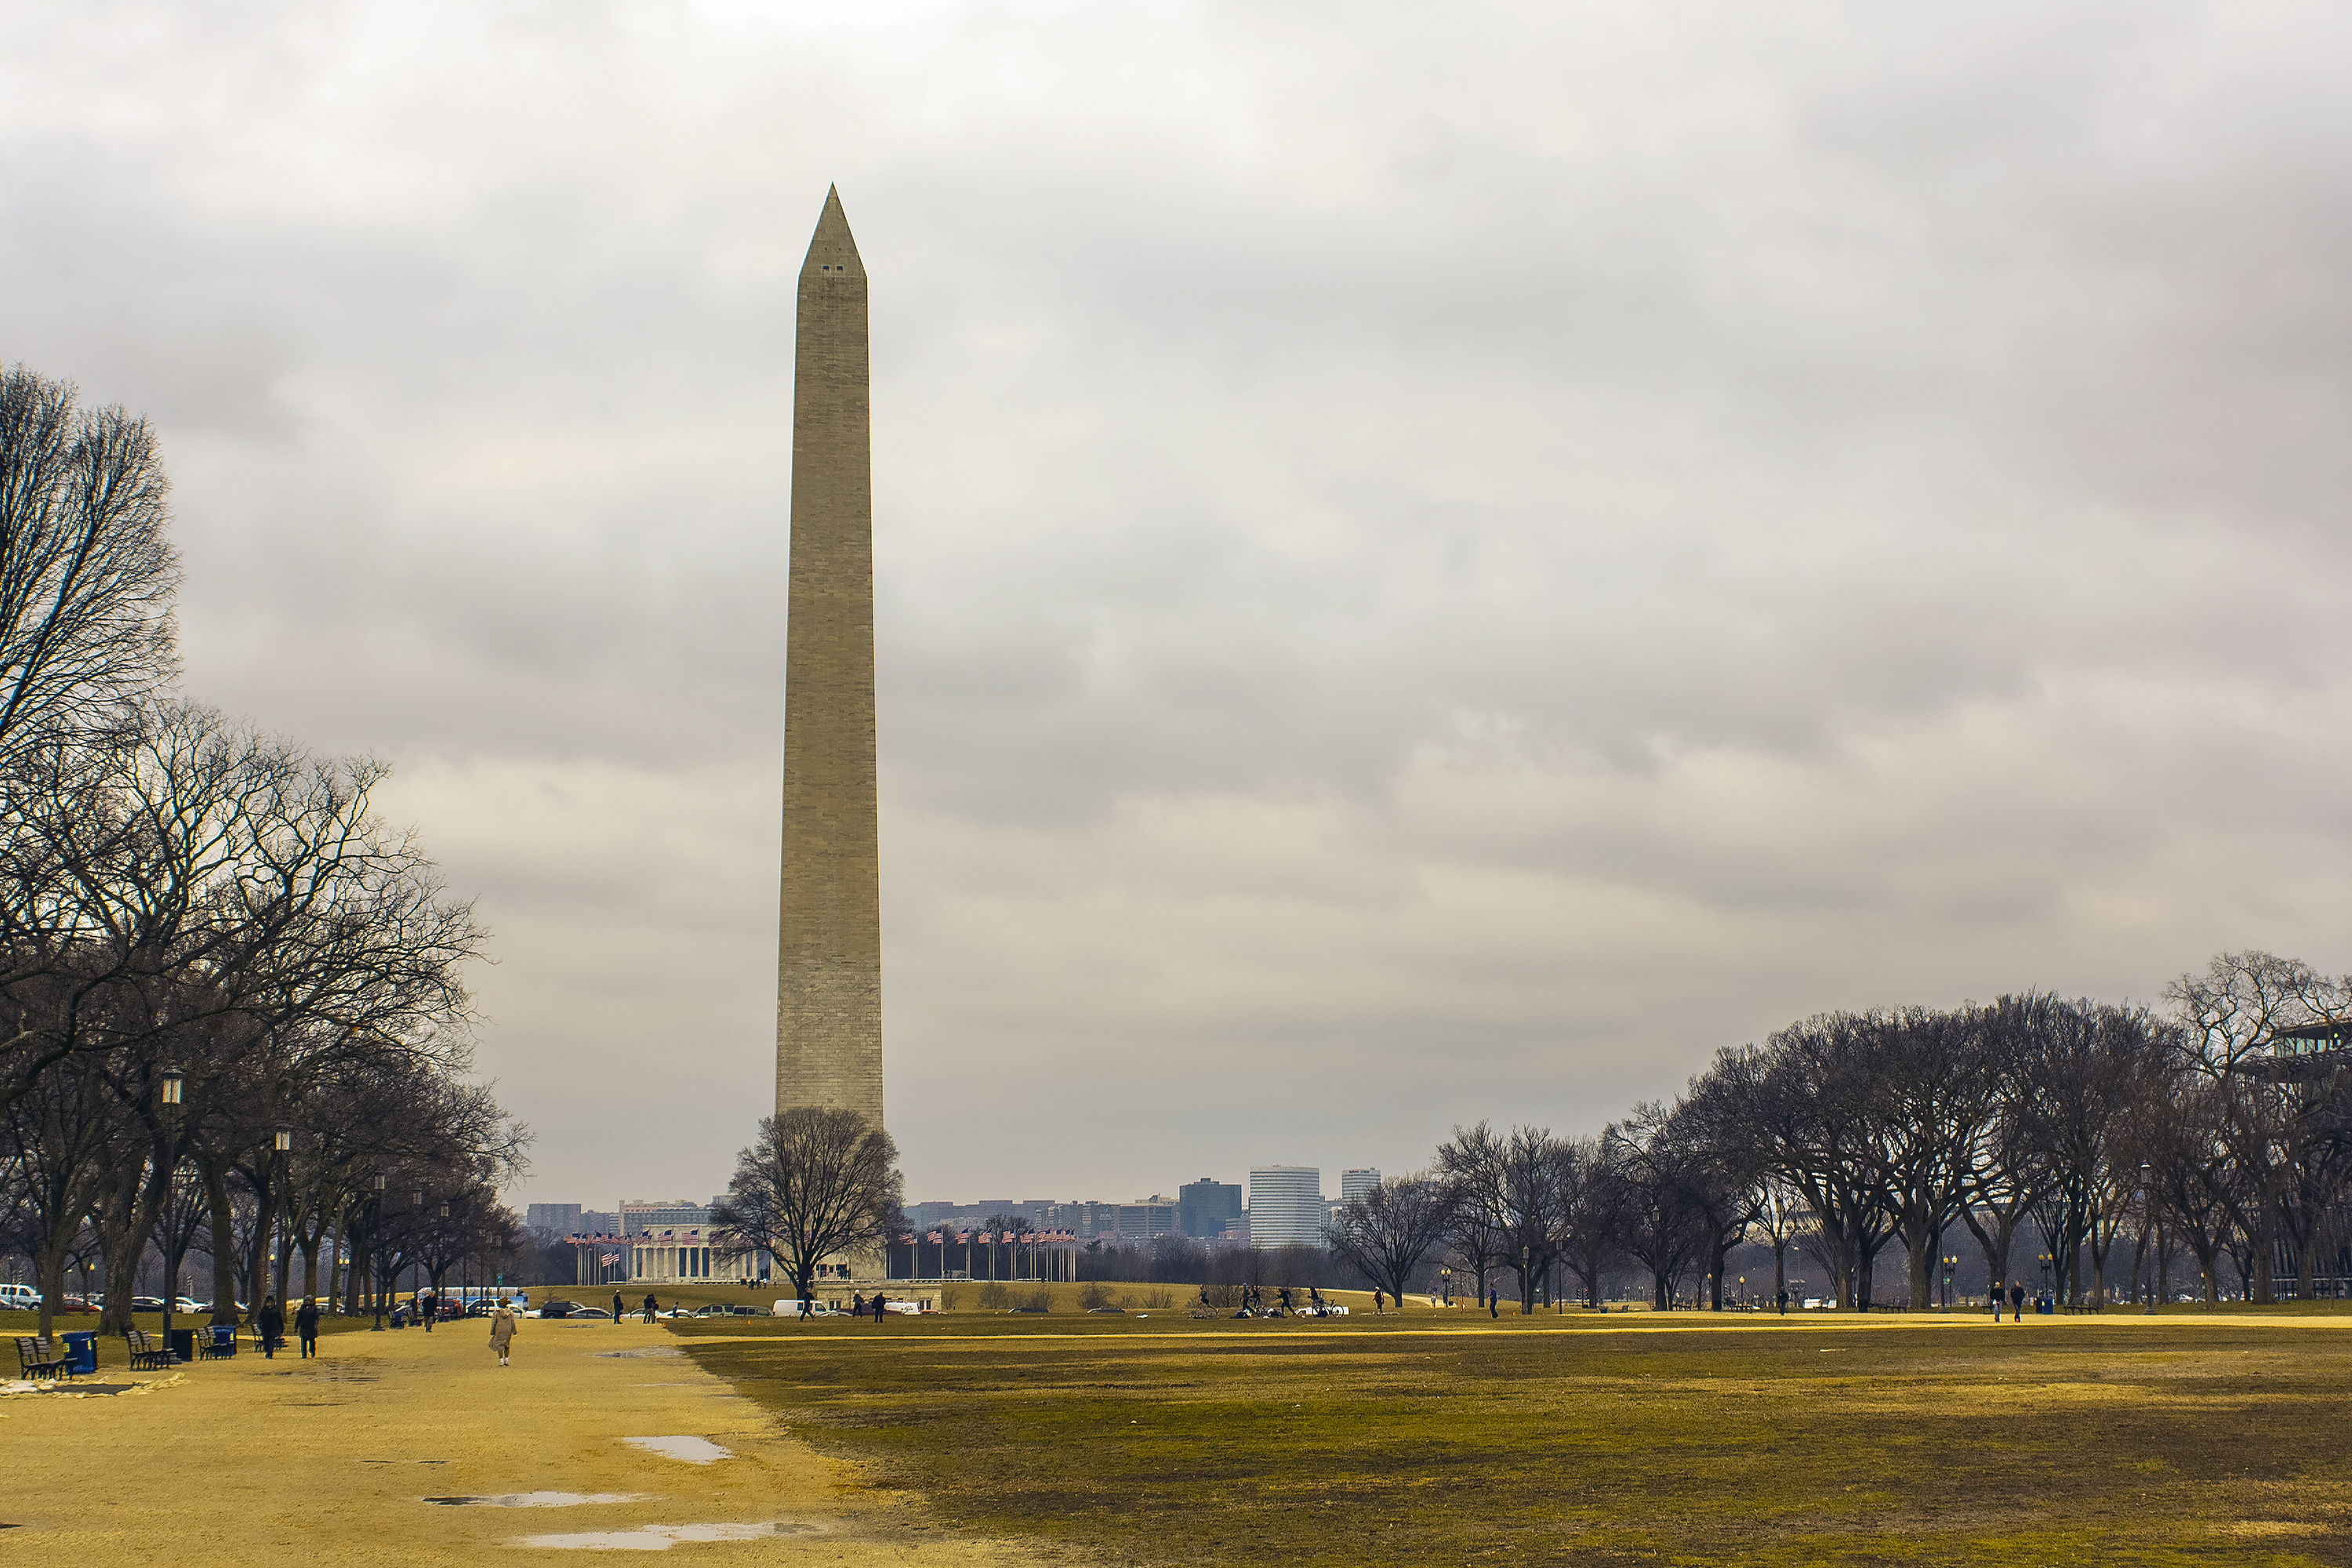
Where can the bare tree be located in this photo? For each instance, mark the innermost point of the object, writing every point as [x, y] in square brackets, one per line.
[2277, 1115]
[87, 573]
[1386, 1233]
[817, 1183]
[1510, 1193]
[1595, 1216]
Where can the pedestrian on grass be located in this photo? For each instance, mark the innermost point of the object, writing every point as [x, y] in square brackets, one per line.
[1784, 1303]
[271, 1321]
[1493, 1303]
[306, 1327]
[1994, 1290]
[652, 1306]
[502, 1329]
[1376, 1300]
[428, 1307]
[807, 1308]
[619, 1308]
[857, 1305]
[2017, 1303]
[880, 1301]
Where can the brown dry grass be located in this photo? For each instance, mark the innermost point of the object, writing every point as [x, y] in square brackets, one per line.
[1651, 1440]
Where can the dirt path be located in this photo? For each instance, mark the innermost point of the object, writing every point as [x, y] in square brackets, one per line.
[251, 1460]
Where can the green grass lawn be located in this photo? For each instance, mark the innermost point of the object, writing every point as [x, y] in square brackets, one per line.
[1438, 1438]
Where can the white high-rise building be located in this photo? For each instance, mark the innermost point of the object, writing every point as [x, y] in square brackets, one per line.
[1285, 1205]
[1354, 1184]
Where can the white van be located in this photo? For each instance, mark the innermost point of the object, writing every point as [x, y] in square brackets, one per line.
[18, 1299]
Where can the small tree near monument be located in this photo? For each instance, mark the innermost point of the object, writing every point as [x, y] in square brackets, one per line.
[817, 1184]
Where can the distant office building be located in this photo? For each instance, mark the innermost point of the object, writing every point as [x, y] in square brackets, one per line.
[642, 1215]
[562, 1218]
[1354, 1184]
[600, 1222]
[1285, 1205]
[1203, 1208]
[1140, 1221]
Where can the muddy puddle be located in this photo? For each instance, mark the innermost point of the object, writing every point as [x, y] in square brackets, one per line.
[693, 1450]
[541, 1500]
[662, 1537]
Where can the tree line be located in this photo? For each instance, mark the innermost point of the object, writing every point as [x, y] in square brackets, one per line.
[232, 1007]
[2111, 1139]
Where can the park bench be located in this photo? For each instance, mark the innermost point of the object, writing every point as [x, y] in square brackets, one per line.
[38, 1358]
[220, 1340]
[146, 1354]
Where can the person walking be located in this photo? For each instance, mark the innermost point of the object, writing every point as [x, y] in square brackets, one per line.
[807, 1311]
[879, 1302]
[1493, 1303]
[271, 1323]
[306, 1327]
[1378, 1299]
[428, 1307]
[1784, 1303]
[652, 1306]
[619, 1308]
[502, 1329]
[2016, 1303]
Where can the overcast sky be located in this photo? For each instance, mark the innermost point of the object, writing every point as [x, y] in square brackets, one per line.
[1432, 562]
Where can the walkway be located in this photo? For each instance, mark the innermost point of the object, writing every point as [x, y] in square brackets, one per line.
[251, 1460]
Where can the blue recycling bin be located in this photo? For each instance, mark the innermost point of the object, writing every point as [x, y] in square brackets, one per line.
[81, 1354]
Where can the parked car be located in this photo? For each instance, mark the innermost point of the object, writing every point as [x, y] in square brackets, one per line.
[18, 1298]
[146, 1303]
[76, 1304]
[557, 1307]
[579, 1313]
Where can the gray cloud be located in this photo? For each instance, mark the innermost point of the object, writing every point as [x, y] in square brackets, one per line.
[1423, 571]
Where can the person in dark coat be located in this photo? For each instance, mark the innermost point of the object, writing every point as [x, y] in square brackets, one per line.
[880, 1301]
[271, 1322]
[619, 1308]
[2016, 1303]
[428, 1307]
[652, 1306]
[306, 1327]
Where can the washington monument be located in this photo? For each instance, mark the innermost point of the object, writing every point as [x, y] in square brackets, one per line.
[829, 968]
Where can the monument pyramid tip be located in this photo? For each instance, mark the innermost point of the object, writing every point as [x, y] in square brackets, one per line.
[832, 250]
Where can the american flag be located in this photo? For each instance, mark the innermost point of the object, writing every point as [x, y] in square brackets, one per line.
[933, 1238]
[611, 1259]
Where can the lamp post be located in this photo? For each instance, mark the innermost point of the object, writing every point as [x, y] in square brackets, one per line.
[2049, 1277]
[173, 1081]
[1951, 1261]
[1445, 1285]
[375, 1234]
[279, 1147]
